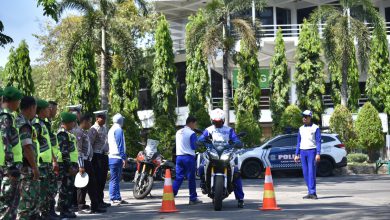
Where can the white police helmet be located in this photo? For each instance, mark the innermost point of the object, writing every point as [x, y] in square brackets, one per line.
[217, 115]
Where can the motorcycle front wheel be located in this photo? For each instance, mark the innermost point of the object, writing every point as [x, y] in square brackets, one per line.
[218, 192]
[142, 186]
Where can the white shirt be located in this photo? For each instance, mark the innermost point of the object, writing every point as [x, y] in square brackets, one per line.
[183, 142]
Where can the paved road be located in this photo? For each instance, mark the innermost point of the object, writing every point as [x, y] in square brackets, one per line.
[342, 197]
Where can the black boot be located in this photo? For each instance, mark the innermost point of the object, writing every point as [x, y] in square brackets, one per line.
[203, 185]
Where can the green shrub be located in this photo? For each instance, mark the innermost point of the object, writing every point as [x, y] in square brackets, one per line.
[357, 158]
[291, 119]
[369, 130]
[341, 123]
[164, 131]
[245, 122]
[203, 118]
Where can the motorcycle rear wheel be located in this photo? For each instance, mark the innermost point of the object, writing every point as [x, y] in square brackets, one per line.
[142, 189]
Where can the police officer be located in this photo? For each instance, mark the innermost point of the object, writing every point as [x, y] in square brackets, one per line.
[185, 160]
[98, 137]
[68, 164]
[85, 165]
[11, 156]
[48, 166]
[308, 151]
[220, 132]
[28, 206]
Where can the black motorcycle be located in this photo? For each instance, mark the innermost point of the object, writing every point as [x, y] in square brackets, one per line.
[219, 161]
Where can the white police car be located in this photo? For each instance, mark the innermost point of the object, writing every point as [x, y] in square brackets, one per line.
[279, 153]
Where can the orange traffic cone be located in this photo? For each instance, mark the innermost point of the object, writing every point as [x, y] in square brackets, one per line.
[168, 202]
[269, 201]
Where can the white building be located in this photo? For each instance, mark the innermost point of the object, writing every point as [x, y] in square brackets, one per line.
[286, 14]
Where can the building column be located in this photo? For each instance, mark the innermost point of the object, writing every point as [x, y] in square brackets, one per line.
[294, 21]
[210, 98]
[275, 20]
[293, 88]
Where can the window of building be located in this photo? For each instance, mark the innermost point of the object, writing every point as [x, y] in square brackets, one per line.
[304, 13]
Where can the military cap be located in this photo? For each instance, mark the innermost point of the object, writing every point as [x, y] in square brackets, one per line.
[101, 113]
[74, 108]
[42, 103]
[68, 117]
[12, 93]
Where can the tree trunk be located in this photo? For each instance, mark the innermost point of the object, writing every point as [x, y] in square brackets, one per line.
[225, 86]
[344, 84]
[103, 74]
[225, 79]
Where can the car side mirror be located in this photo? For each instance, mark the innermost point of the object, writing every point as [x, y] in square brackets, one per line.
[268, 147]
[242, 134]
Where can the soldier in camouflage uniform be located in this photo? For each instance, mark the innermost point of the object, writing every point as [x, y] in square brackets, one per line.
[11, 156]
[68, 163]
[55, 149]
[48, 161]
[28, 206]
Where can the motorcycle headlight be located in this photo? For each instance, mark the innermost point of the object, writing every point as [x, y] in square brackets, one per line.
[225, 157]
[213, 154]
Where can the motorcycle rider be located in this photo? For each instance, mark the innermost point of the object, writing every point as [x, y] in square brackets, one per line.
[220, 132]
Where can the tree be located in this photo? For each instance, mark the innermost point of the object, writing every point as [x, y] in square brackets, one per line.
[124, 99]
[83, 79]
[197, 78]
[18, 69]
[4, 39]
[117, 21]
[246, 99]
[218, 35]
[279, 82]
[341, 123]
[164, 88]
[369, 131]
[291, 119]
[309, 70]
[378, 78]
[341, 29]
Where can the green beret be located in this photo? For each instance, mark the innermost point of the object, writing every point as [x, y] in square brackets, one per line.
[12, 93]
[68, 117]
[42, 104]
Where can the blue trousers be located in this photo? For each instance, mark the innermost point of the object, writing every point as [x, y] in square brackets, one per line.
[115, 178]
[185, 167]
[238, 191]
[308, 159]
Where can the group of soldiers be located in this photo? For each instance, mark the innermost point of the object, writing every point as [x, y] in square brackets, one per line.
[36, 162]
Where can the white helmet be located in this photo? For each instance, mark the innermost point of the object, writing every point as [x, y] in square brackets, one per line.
[217, 115]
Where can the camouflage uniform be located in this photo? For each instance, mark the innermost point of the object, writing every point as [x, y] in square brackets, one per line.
[28, 205]
[53, 180]
[9, 192]
[45, 167]
[68, 168]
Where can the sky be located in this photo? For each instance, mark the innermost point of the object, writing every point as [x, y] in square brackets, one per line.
[21, 19]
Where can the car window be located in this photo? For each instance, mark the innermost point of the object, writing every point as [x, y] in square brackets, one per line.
[284, 141]
[326, 139]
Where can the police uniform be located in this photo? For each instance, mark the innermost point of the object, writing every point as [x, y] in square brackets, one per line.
[308, 146]
[185, 161]
[68, 165]
[11, 158]
[28, 205]
[98, 138]
[45, 167]
[85, 161]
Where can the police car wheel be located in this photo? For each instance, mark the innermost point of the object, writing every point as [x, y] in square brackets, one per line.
[251, 169]
[324, 168]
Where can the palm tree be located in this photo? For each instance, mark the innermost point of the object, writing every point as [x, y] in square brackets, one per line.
[4, 39]
[344, 26]
[104, 24]
[217, 34]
